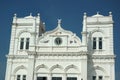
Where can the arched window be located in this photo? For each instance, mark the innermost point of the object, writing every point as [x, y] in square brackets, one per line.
[98, 76]
[21, 77]
[98, 73]
[97, 41]
[20, 73]
[24, 41]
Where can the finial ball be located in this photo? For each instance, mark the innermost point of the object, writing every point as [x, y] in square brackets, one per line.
[85, 13]
[38, 14]
[110, 13]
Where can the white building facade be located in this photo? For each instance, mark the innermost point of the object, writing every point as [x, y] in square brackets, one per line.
[36, 54]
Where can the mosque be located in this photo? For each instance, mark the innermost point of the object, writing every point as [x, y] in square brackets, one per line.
[59, 54]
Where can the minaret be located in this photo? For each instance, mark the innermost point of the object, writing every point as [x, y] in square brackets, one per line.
[84, 31]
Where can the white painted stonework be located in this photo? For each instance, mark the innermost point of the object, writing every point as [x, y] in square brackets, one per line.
[59, 52]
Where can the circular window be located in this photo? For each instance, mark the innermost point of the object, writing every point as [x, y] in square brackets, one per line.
[58, 41]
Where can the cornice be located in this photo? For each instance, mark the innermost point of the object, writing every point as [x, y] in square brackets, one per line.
[102, 57]
[99, 23]
[81, 53]
[17, 56]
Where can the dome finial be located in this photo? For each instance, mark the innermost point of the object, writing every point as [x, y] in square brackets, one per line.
[97, 12]
[110, 13]
[30, 14]
[38, 15]
[85, 14]
[15, 15]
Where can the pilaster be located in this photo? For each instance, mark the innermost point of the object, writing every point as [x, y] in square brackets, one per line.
[8, 69]
[31, 67]
[84, 69]
[13, 35]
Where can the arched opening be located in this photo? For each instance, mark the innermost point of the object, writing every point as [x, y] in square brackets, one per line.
[98, 73]
[57, 72]
[42, 72]
[20, 73]
[72, 72]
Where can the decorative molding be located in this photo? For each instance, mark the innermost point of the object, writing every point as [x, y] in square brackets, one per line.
[82, 53]
[24, 24]
[17, 56]
[100, 23]
[103, 57]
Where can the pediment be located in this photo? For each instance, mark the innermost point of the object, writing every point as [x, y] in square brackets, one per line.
[59, 37]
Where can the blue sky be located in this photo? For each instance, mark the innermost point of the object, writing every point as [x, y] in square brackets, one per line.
[70, 11]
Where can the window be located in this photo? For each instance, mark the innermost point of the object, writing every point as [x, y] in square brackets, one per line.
[100, 43]
[24, 77]
[100, 77]
[22, 43]
[18, 77]
[56, 78]
[41, 78]
[94, 78]
[27, 43]
[97, 43]
[71, 78]
[94, 42]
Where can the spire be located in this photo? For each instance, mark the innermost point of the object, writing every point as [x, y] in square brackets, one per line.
[84, 22]
[84, 32]
[59, 22]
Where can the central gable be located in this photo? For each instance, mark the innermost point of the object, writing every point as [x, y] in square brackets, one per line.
[59, 37]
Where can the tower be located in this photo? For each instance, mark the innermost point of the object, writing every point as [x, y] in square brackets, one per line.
[24, 34]
[101, 56]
